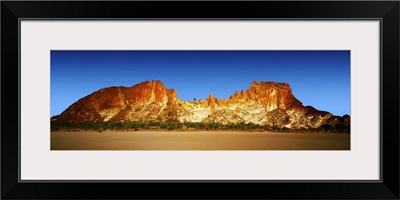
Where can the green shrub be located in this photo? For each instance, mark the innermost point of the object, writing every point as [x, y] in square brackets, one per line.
[141, 125]
[201, 125]
[153, 123]
[163, 125]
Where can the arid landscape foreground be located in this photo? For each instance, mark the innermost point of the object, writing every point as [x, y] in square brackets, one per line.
[197, 140]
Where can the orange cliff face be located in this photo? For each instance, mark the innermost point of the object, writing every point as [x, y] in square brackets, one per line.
[121, 103]
[146, 92]
[269, 94]
[264, 103]
[212, 101]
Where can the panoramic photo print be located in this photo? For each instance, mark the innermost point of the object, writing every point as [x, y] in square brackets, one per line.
[200, 100]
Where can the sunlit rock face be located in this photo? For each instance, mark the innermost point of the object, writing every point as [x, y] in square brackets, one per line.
[212, 102]
[269, 94]
[144, 101]
[264, 103]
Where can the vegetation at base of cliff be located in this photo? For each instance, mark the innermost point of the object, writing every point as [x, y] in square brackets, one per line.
[156, 125]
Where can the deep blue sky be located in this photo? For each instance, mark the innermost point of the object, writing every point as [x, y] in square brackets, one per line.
[317, 78]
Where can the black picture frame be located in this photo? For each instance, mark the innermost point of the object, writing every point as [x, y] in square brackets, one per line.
[386, 11]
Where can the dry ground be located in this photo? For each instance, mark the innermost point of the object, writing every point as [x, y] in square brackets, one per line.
[204, 140]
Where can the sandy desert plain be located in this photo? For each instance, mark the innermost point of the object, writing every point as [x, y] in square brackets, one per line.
[197, 140]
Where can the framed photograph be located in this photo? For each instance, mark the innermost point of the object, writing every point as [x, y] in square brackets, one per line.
[223, 96]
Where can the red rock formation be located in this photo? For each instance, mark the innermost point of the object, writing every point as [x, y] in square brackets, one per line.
[270, 94]
[212, 101]
[118, 102]
[266, 103]
[149, 92]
